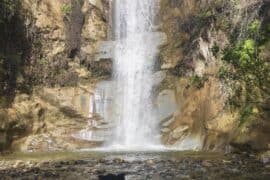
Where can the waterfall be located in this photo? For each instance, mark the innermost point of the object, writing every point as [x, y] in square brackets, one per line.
[136, 48]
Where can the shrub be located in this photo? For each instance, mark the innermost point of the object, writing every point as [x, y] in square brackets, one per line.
[205, 14]
[247, 113]
[254, 27]
[242, 55]
[246, 70]
[225, 72]
[66, 9]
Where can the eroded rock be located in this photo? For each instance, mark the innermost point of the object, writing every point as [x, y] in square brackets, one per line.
[179, 132]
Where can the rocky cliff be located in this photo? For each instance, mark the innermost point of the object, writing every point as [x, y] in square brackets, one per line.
[49, 70]
[216, 61]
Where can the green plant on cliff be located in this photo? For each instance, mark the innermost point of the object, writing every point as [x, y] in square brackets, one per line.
[205, 14]
[246, 71]
[66, 9]
[242, 55]
[248, 113]
[203, 18]
[198, 81]
[226, 72]
[254, 27]
[43, 62]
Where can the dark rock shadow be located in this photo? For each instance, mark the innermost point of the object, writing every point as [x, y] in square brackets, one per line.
[112, 177]
[15, 48]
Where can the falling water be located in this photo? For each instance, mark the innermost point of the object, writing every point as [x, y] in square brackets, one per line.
[134, 57]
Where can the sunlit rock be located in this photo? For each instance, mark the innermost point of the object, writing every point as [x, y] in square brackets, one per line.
[178, 132]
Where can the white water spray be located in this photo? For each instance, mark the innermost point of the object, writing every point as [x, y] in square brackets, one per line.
[134, 58]
[124, 113]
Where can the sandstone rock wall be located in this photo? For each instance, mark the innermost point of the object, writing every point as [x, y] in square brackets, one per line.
[198, 33]
[60, 72]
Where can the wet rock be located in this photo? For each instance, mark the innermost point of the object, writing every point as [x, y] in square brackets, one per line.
[165, 130]
[168, 65]
[265, 158]
[197, 173]
[207, 164]
[150, 162]
[145, 167]
[118, 160]
[158, 77]
[100, 171]
[182, 177]
[167, 121]
[178, 132]
[19, 164]
[80, 162]
[167, 105]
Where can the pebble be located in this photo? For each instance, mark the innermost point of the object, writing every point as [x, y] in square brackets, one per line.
[19, 164]
[150, 162]
[265, 160]
[182, 168]
[206, 164]
[118, 160]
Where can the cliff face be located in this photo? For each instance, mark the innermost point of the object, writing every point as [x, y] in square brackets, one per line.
[216, 61]
[49, 70]
[218, 66]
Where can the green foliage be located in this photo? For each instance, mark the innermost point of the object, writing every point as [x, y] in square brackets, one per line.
[205, 14]
[179, 70]
[198, 81]
[203, 18]
[225, 72]
[200, 22]
[268, 27]
[264, 33]
[246, 62]
[254, 27]
[246, 70]
[66, 9]
[43, 62]
[243, 54]
[248, 113]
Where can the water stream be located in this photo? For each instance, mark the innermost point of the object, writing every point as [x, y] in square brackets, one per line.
[129, 112]
[134, 57]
